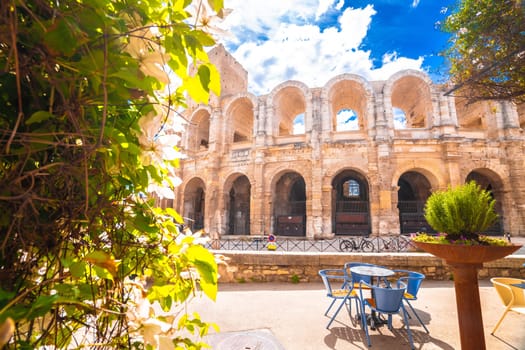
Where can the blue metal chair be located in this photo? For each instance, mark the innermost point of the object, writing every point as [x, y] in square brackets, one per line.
[387, 301]
[336, 287]
[413, 281]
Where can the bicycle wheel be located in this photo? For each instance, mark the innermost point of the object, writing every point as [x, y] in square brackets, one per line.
[345, 245]
[367, 246]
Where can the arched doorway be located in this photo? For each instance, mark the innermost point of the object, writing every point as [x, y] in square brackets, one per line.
[290, 205]
[238, 207]
[490, 181]
[350, 204]
[194, 204]
[414, 190]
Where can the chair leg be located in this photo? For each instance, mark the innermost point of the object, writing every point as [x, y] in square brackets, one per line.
[364, 324]
[343, 302]
[405, 316]
[327, 310]
[417, 316]
[499, 322]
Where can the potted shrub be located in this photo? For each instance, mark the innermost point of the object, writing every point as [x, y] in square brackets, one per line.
[461, 214]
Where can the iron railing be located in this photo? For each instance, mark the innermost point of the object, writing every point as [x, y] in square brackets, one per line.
[391, 243]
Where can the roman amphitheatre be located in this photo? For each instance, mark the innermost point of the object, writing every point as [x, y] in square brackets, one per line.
[351, 157]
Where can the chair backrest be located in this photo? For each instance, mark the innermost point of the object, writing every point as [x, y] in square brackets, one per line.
[388, 300]
[507, 293]
[330, 275]
[412, 280]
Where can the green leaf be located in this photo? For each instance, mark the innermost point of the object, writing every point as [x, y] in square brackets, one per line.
[102, 272]
[195, 89]
[216, 5]
[63, 36]
[41, 306]
[173, 213]
[78, 269]
[205, 263]
[204, 76]
[38, 117]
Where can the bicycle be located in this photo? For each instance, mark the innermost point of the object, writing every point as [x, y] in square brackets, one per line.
[351, 244]
[389, 244]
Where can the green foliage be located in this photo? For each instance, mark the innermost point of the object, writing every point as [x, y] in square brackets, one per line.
[88, 94]
[486, 51]
[463, 211]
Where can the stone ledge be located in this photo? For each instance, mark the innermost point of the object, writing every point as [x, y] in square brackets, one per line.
[250, 266]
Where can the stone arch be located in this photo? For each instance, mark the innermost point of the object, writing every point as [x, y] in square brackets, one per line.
[240, 118]
[350, 203]
[287, 101]
[472, 115]
[352, 92]
[414, 188]
[237, 204]
[199, 129]
[436, 177]
[489, 180]
[194, 204]
[411, 92]
[289, 203]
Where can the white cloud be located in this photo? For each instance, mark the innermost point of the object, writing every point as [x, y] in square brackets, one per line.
[276, 40]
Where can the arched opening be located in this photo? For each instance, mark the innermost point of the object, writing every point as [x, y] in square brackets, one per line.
[200, 131]
[347, 120]
[414, 190]
[290, 205]
[289, 105]
[194, 204]
[298, 125]
[238, 207]
[349, 105]
[489, 181]
[350, 204]
[241, 119]
[400, 119]
[471, 115]
[411, 95]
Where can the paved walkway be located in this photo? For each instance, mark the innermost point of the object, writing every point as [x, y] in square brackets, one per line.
[278, 316]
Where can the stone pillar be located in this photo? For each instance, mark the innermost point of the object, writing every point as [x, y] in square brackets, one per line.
[383, 196]
[314, 219]
[447, 119]
[261, 122]
[326, 204]
[259, 223]
[452, 157]
[515, 196]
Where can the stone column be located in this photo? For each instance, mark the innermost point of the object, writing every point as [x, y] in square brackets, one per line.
[383, 196]
[212, 212]
[314, 220]
[259, 223]
[515, 195]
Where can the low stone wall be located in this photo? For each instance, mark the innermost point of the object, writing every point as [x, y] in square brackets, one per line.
[249, 266]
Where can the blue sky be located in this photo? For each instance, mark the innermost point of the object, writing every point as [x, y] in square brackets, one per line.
[314, 40]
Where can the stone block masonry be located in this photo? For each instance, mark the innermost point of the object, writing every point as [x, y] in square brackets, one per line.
[245, 267]
[351, 157]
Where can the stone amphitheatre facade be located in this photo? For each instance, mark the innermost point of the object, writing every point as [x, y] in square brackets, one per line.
[248, 173]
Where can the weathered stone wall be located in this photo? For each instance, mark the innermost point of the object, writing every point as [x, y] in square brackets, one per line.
[446, 141]
[304, 267]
